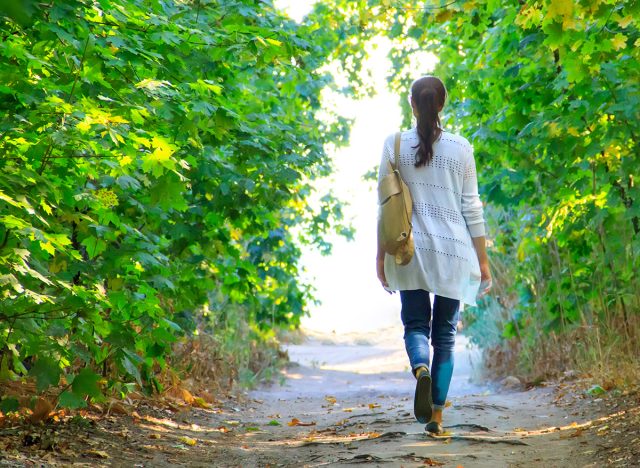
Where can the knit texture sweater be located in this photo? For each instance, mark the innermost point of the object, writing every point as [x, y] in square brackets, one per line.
[447, 213]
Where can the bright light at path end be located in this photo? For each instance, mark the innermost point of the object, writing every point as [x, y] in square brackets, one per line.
[345, 282]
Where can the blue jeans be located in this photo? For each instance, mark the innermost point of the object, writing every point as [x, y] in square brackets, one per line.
[419, 326]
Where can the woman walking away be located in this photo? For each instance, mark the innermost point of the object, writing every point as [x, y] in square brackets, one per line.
[450, 259]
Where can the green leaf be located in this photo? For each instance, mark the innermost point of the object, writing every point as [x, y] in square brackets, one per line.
[160, 159]
[48, 247]
[86, 383]
[273, 42]
[12, 222]
[172, 325]
[415, 32]
[168, 194]
[130, 361]
[71, 400]
[9, 405]
[596, 390]
[46, 372]
[94, 246]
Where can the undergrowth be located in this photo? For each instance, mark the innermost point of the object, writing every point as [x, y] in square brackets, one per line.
[541, 321]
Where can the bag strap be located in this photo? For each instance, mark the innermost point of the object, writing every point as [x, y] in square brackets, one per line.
[396, 151]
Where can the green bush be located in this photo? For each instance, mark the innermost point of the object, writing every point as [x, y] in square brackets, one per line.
[154, 160]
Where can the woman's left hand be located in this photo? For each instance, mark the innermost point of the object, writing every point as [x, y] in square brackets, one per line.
[380, 270]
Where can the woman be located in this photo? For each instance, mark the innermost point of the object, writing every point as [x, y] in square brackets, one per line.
[450, 259]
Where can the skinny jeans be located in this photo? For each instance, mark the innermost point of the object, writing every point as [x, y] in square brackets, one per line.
[420, 325]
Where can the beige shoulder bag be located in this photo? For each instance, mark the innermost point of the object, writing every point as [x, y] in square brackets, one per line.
[394, 214]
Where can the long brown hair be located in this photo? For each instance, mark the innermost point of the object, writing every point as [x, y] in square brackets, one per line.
[428, 95]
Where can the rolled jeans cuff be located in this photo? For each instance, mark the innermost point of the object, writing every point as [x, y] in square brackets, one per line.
[438, 407]
[418, 366]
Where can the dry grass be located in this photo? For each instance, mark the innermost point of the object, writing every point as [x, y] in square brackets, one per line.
[601, 339]
[604, 358]
[208, 362]
[200, 362]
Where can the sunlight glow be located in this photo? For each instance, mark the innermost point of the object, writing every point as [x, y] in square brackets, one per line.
[346, 283]
[295, 9]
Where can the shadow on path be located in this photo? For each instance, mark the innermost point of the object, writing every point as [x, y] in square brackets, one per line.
[348, 399]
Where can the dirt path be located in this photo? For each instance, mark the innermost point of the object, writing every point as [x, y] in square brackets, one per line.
[344, 400]
[357, 398]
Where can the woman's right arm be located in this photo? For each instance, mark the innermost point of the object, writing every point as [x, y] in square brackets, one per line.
[479, 243]
[474, 217]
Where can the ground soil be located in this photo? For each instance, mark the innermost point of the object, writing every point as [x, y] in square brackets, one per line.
[347, 400]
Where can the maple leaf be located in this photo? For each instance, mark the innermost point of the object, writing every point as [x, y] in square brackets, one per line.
[562, 8]
[619, 41]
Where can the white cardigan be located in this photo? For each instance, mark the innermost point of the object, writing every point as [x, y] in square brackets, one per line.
[447, 213]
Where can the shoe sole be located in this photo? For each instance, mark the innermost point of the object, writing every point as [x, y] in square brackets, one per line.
[434, 429]
[422, 399]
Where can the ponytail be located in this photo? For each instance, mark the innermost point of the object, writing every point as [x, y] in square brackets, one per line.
[428, 95]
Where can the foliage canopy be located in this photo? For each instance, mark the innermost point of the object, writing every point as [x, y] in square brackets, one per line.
[154, 159]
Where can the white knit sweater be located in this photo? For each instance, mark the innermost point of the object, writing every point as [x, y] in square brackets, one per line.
[447, 213]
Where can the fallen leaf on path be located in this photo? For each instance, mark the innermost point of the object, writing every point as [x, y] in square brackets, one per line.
[199, 402]
[331, 399]
[187, 397]
[154, 436]
[297, 422]
[224, 429]
[232, 422]
[348, 410]
[374, 405]
[432, 462]
[97, 453]
[188, 440]
[273, 422]
[448, 404]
